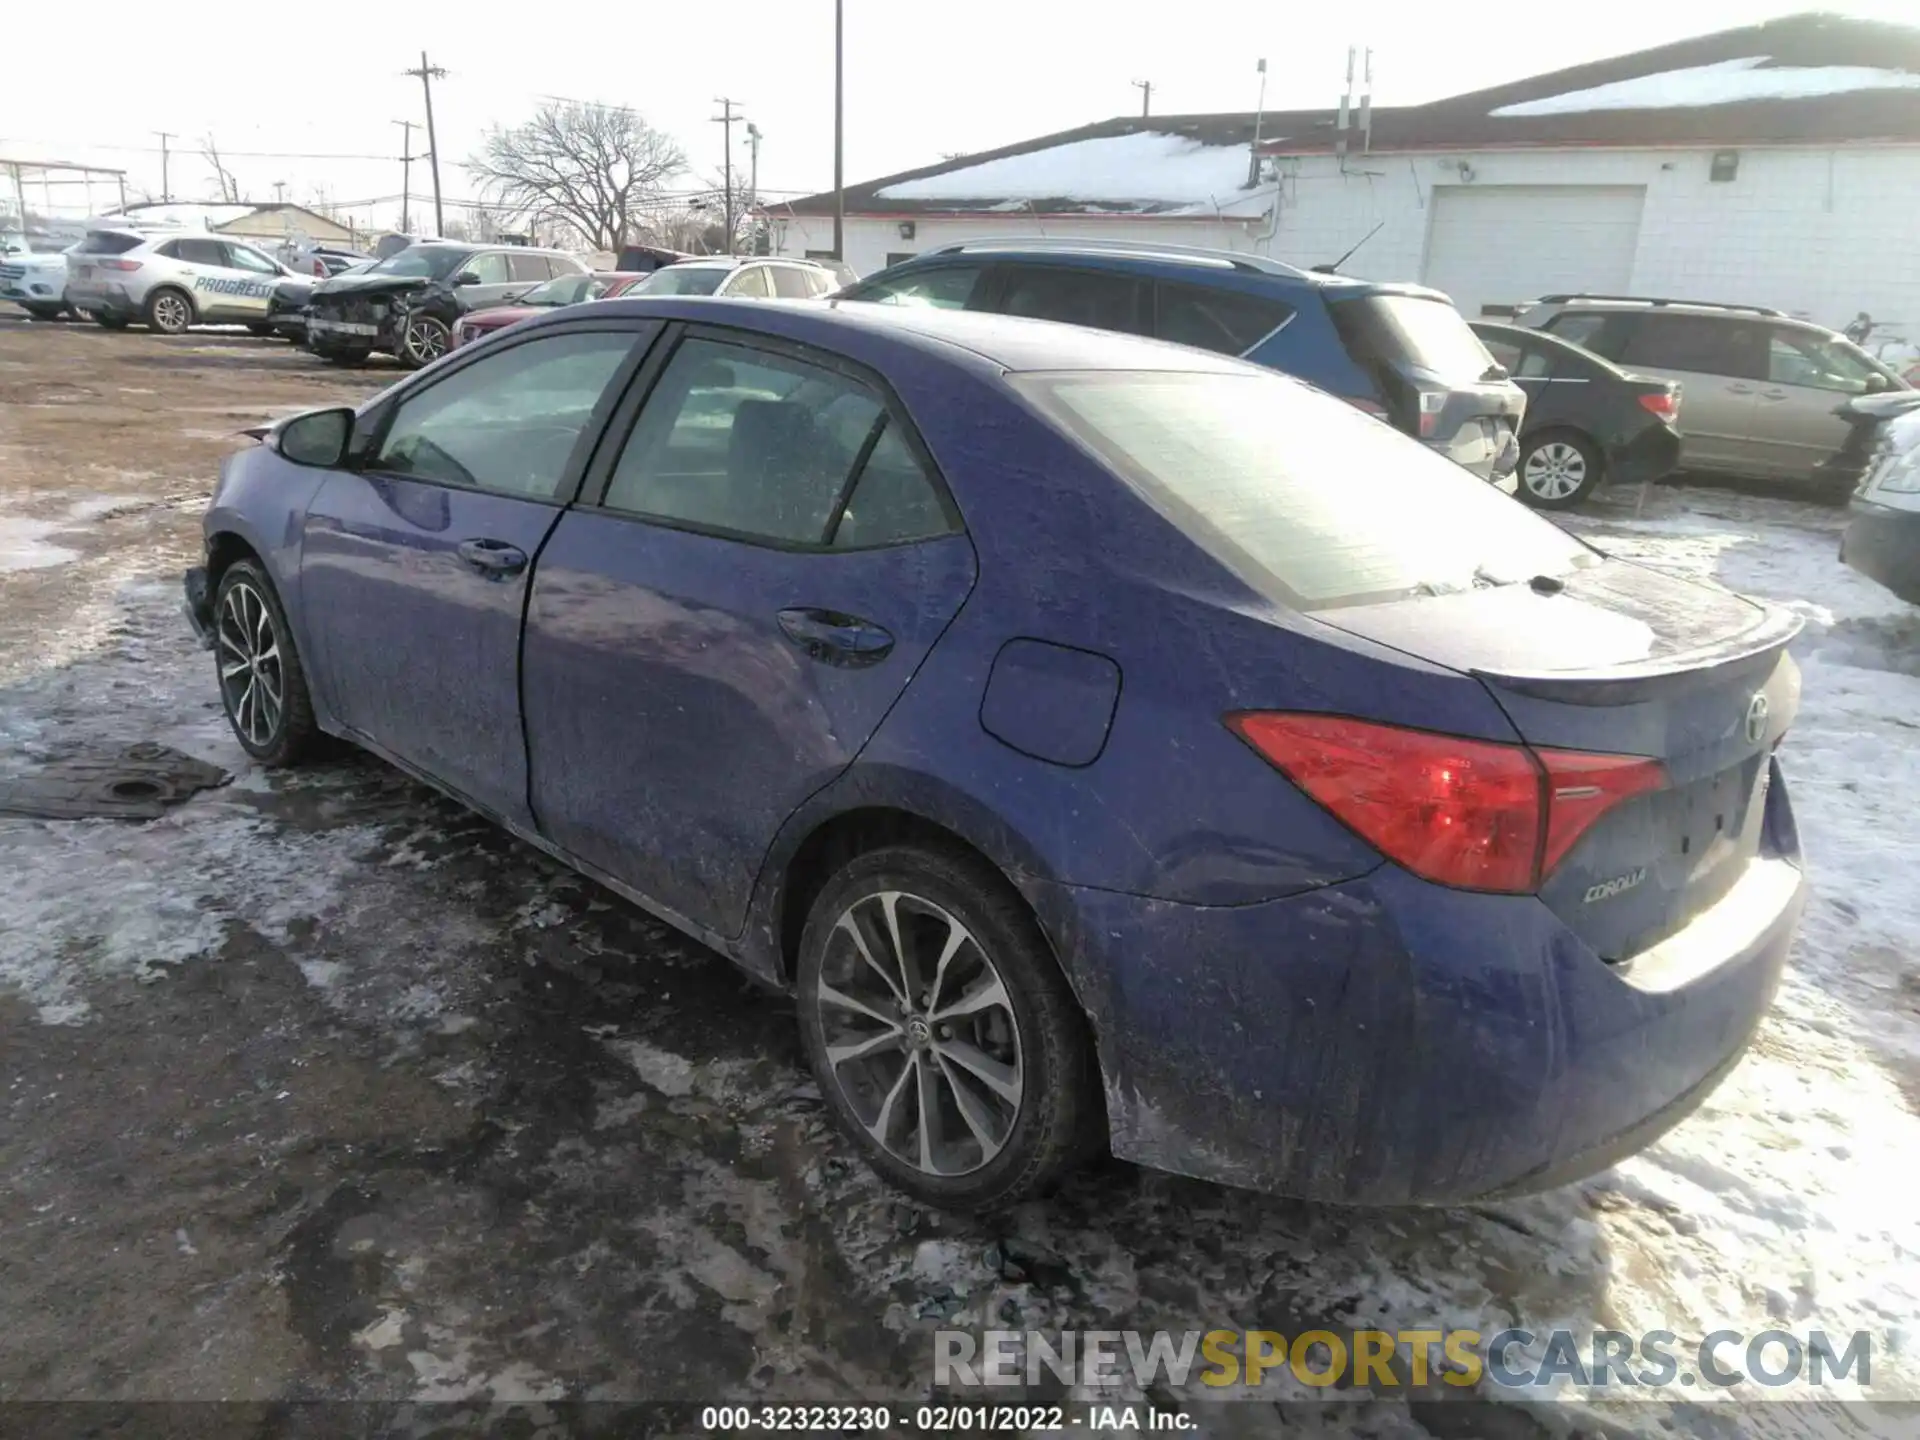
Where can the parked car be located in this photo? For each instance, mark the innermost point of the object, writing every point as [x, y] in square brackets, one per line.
[1259, 794]
[1399, 352]
[1761, 387]
[287, 310]
[645, 259]
[566, 290]
[1882, 538]
[323, 261]
[171, 280]
[36, 281]
[743, 277]
[407, 304]
[1587, 420]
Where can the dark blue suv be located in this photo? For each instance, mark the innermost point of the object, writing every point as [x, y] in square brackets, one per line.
[1401, 352]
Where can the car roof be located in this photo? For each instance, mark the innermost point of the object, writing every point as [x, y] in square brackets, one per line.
[1005, 342]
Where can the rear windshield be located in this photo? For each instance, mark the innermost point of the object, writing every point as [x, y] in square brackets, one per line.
[692, 280]
[106, 242]
[1308, 500]
[1407, 330]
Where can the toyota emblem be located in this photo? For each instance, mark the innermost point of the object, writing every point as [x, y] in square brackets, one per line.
[1756, 719]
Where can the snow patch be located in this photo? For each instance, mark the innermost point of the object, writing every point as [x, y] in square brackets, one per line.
[1144, 166]
[23, 545]
[1727, 82]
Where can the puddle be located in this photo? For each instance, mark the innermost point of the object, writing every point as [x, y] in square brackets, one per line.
[23, 545]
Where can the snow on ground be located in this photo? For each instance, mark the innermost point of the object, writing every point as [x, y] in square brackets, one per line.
[1726, 82]
[1785, 1202]
[1144, 167]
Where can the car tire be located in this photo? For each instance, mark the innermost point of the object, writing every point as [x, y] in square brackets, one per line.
[169, 311]
[263, 687]
[265, 332]
[342, 357]
[45, 312]
[424, 340]
[1022, 1105]
[1558, 469]
[110, 322]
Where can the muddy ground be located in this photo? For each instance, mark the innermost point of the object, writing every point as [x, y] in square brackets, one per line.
[319, 1088]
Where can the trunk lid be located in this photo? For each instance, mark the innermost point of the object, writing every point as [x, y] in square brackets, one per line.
[1620, 659]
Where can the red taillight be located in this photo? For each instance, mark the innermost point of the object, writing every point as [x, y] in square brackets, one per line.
[320, 268]
[1663, 403]
[1473, 814]
[1432, 402]
[118, 264]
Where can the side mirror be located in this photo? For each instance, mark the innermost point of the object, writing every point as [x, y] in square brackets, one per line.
[318, 438]
[466, 277]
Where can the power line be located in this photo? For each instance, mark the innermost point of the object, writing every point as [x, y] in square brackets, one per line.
[163, 151]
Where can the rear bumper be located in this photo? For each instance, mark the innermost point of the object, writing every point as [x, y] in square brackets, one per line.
[1653, 454]
[98, 299]
[1884, 544]
[1385, 1041]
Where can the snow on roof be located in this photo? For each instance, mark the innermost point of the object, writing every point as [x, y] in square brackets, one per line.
[1729, 82]
[180, 212]
[1145, 166]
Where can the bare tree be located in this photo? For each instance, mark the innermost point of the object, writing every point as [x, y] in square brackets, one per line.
[595, 167]
[229, 187]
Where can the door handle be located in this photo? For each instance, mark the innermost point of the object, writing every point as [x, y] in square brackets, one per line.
[836, 639]
[495, 559]
[1739, 389]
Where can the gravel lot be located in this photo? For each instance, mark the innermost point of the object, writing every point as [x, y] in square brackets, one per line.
[320, 1088]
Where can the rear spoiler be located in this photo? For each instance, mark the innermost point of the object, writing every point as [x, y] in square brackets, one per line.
[257, 432]
[1705, 665]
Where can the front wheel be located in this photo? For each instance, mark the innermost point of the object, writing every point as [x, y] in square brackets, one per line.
[942, 1033]
[424, 341]
[1558, 469]
[262, 685]
[169, 312]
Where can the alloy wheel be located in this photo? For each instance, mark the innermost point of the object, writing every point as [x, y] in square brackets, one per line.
[426, 341]
[252, 678]
[920, 1033]
[171, 314]
[1555, 470]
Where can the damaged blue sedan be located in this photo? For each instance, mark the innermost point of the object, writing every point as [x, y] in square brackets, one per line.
[1111, 745]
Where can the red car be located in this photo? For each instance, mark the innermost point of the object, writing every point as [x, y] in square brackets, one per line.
[563, 290]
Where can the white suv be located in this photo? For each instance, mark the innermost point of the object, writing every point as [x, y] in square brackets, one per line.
[171, 280]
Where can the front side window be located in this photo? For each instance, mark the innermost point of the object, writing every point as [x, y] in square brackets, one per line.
[1797, 358]
[507, 423]
[490, 267]
[1096, 299]
[1309, 501]
[945, 287]
[1229, 322]
[746, 442]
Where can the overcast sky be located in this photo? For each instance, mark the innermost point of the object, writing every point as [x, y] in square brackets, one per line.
[922, 80]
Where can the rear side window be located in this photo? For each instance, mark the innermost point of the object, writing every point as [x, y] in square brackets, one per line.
[105, 242]
[1097, 299]
[1309, 501]
[946, 287]
[893, 501]
[1227, 321]
[196, 252]
[790, 282]
[529, 267]
[1387, 332]
[751, 283]
[1703, 343]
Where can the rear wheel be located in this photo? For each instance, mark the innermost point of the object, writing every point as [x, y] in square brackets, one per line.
[1558, 469]
[169, 312]
[424, 341]
[262, 685]
[942, 1033]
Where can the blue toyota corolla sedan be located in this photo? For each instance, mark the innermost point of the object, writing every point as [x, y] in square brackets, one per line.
[1111, 744]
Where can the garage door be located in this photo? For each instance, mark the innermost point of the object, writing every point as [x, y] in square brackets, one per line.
[1496, 244]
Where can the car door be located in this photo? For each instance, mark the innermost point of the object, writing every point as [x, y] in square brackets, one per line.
[764, 565]
[1721, 361]
[415, 564]
[207, 271]
[1808, 377]
[255, 277]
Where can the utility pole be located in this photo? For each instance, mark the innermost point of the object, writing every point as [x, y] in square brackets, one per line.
[1145, 87]
[753, 179]
[839, 134]
[279, 192]
[428, 74]
[725, 121]
[166, 194]
[406, 172]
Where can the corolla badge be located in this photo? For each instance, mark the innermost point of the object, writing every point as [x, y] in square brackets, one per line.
[1757, 719]
[1607, 889]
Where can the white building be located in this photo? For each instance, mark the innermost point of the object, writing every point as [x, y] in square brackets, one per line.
[1777, 164]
